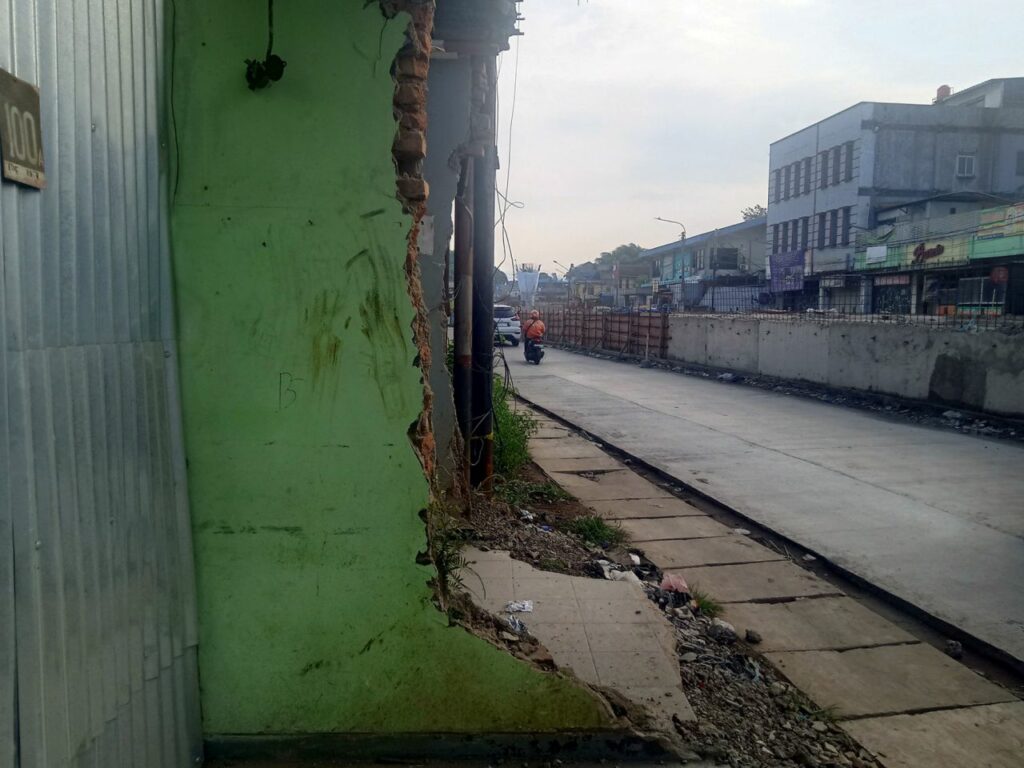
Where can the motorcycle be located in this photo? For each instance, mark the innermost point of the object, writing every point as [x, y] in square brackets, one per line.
[534, 350]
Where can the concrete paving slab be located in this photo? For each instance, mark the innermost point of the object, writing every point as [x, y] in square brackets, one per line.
[602, 462]
[990, 736]
[639, 669]
[628, 509]
[659, 529]
[549, 433]
[611, 485]
[827, 623]
[607, 632]
[566, 448]
[721, 550]
[756, 581]
[890, 680]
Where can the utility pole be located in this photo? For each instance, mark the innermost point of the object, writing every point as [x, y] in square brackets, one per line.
[481, 432]
[462, 379]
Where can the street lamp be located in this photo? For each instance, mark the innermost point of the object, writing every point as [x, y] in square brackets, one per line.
[682, 235]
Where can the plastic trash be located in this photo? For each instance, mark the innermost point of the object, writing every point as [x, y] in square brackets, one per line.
[516, 625]
[519, 606]
[741, 531]
[673, 582]
[629, 576]
[634, 558]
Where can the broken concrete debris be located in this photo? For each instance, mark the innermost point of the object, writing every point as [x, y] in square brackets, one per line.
[954, 649]
[722, 631]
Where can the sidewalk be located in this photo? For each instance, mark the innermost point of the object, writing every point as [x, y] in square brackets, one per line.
[906, 702]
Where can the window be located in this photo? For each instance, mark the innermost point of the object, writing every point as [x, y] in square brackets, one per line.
[775, 238]
[727, 258]
[796, 179]
[965, 166]
[785, 236]
[778, 185]
[1020, 163]
[847, 214]
[807, 171]
[821, 230]
[823, 169]
[788, 171]
[805, 234]
[980, 291]
[848, 161]
[833, 228]
[836, 151]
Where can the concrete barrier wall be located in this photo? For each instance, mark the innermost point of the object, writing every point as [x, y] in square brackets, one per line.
[981, 371]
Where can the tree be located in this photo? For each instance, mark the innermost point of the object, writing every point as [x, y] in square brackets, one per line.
[622, 254]
[754, 212]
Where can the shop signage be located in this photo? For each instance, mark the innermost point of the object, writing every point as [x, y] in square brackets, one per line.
[787, 271]
[833, 282]
[922, 253]
[876, 254]
[21, 136]
[1002, 222]
[892, 280]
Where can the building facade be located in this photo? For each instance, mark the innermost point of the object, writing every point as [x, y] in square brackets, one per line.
[686, 268]
[827, 182]
[968, 264]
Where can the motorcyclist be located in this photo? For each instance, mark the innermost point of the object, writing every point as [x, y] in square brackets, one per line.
[533, 329]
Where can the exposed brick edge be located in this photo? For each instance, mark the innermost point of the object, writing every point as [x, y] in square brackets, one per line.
[410, 70]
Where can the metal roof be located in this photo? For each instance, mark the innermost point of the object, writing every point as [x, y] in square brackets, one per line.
[703, 237]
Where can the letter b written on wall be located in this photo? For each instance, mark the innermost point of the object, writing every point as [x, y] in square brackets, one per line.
[21, 135]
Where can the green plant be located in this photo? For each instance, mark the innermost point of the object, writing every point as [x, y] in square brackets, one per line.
[706, 604]
[594, 530]
[521, 492]
[512, 430]
[556, 564]
[445, 540]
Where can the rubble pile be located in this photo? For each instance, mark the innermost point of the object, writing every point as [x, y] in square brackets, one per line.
[747, 715]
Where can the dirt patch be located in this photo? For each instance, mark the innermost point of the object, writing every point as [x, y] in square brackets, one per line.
[535, 530]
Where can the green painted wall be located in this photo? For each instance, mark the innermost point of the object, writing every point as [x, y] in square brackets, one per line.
[299, 388]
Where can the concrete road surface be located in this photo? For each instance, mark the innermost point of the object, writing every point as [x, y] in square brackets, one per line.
[934, 517]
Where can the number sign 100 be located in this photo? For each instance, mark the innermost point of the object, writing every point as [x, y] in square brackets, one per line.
[21, 130]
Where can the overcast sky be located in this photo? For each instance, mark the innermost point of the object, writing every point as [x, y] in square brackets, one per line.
[631, 109]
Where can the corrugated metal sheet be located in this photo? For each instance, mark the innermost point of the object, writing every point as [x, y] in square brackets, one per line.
[97, 608]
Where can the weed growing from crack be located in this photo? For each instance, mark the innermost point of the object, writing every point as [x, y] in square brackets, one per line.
[706, 604]
[596, 531]
[518, 493]
[445, 541]
[512, 430]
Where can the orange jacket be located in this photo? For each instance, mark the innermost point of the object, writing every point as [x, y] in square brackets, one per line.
[533, 329]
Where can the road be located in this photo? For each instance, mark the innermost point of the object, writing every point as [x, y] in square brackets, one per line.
[934, 517]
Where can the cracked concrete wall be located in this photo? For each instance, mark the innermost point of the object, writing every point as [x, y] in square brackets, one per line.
[448, 109]
[295, 290]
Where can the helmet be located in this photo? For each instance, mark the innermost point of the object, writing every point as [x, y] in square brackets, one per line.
[534, 315]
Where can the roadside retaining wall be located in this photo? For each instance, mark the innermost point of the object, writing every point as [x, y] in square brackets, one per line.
[981, 371]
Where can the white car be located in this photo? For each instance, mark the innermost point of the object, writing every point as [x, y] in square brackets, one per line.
[506, 325]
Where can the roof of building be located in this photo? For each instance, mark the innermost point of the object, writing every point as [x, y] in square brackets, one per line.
[956, 95]
[952, 197]
[704, 237]
[894, 103]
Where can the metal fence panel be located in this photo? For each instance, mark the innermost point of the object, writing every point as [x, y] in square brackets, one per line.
[97, 604]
